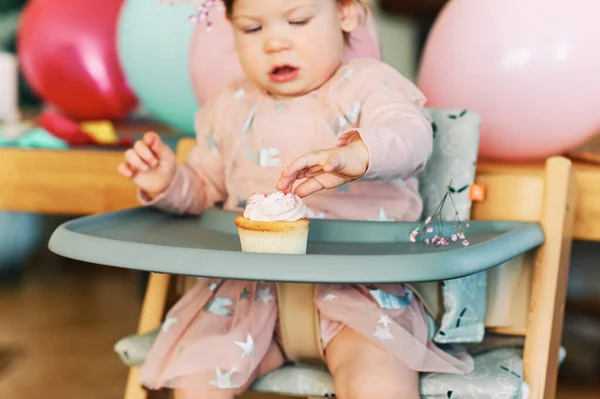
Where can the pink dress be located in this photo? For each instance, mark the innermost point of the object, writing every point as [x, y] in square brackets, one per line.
[218, 333]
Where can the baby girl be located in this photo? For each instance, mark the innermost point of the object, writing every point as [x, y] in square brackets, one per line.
[349, 139]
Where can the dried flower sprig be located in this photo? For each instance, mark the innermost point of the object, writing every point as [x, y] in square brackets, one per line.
[202, 10]
[426, 233]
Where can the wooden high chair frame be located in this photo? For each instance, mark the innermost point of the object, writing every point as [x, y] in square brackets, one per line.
[547, 197]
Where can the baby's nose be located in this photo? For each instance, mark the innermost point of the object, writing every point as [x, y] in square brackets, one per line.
[276, 44]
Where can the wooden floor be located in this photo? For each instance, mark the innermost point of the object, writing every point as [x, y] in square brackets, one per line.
[58, 326]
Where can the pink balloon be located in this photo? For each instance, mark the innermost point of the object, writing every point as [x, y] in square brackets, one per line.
[531, 69]
[213, 59]
[214, 62]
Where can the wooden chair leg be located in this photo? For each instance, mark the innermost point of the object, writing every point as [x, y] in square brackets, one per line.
[153, 311]
[133, 389]
[551, 271]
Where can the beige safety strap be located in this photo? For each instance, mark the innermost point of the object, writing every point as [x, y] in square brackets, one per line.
[299, 323]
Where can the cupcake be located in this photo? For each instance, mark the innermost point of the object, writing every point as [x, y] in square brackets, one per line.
[273, 223]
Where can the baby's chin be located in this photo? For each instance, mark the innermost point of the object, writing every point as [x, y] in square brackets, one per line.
[291, 90]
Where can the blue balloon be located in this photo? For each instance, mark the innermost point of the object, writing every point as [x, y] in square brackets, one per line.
[153, 43]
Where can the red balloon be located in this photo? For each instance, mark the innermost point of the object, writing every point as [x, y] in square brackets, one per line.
[68, 55]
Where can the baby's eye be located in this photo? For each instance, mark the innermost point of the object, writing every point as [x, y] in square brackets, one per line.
[252, 29]
[300, 22]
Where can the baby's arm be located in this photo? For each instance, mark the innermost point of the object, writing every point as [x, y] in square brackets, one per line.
[392, 125]
[200, 182]
[393, 139]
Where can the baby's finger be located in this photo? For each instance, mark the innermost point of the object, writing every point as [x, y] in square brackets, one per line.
[154, 142]
[285, 184]
[313, 171]
[125, 171]
[308, 187]
[145, 153]
[306, 161]
[134, 161]
[334, 162]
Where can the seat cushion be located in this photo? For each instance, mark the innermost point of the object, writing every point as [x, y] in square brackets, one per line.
[133, 349]
[498, 372]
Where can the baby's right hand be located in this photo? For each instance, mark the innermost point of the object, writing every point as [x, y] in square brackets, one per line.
[150, 164]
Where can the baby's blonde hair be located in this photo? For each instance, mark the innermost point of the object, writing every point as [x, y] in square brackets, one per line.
[229, 10]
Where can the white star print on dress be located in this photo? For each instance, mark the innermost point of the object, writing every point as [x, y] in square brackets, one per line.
[223, 380]
[247, 347]
[168, 323]
[218, 306]
[239, 94]
[382, 217]
[330, 297]
[265, 157]
[348, 74]
[212, 143]
[383, 333]
[350, 117]
[312, 215]
[385, 320]
[264, 295]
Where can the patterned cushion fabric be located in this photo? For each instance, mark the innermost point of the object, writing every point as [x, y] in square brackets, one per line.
[498, 374]
[452, 163]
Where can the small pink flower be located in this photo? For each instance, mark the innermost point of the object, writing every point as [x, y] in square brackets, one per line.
[461, 235]
[465, 243]
[429, 229]
[467, 224]
[444, 241]
[438, 243]
[426, 240]
[453, 237]
[413, 238]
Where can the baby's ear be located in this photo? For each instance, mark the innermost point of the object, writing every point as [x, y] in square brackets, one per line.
[348, 15]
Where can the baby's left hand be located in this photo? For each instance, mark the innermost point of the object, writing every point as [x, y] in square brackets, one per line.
[325, 169]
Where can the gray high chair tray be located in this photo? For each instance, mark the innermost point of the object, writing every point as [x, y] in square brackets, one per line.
[338, 251]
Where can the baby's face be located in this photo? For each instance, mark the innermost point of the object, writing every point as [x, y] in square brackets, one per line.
[291, 47]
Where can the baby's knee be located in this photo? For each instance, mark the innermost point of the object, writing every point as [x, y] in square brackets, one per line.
[365, 384]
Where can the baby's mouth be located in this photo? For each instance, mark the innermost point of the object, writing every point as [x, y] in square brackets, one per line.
[283, 73]
[283, 69]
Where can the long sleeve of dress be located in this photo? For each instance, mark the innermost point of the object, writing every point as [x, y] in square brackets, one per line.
[199, 182]
[392, 123]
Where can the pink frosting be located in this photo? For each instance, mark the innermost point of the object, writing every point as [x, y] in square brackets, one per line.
[275, 207]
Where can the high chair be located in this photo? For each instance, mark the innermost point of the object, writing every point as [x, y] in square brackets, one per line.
[521, 231]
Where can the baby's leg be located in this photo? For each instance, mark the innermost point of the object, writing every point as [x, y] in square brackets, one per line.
[361, 370]
[272, 360]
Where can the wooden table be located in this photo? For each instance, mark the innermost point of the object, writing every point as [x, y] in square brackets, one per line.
[69, 182]
[80, 182]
